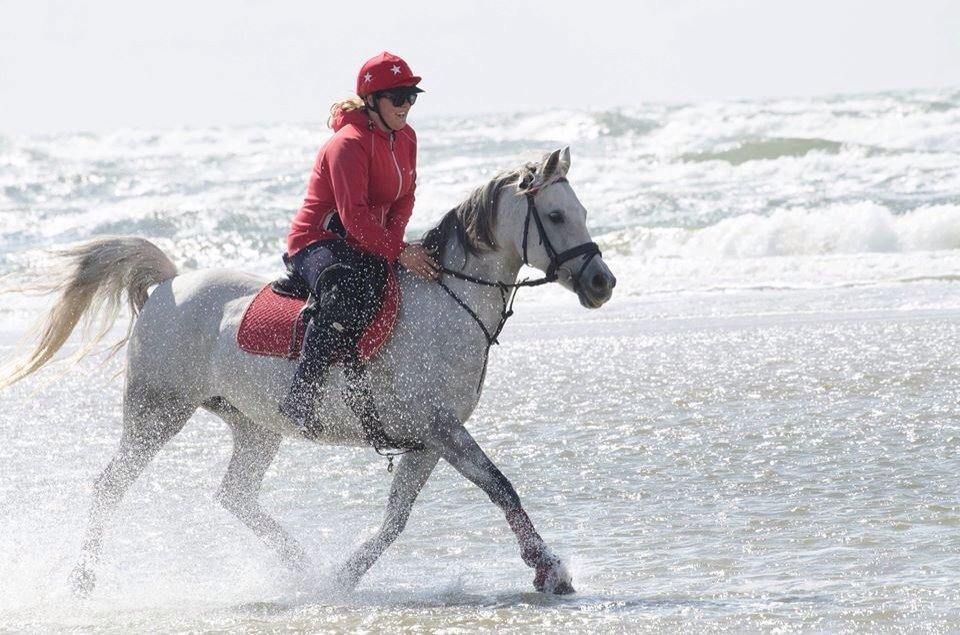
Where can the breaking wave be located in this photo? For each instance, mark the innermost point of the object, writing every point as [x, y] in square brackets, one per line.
[838, 229]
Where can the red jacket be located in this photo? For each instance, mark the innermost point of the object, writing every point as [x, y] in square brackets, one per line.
[369, 177]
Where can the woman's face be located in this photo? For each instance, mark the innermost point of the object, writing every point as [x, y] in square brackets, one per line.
[394, 116]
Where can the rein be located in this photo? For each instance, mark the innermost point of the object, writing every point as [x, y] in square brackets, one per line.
[508, 290]
[362, 403]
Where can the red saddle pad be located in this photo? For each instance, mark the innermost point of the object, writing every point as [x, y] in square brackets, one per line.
[272, 325]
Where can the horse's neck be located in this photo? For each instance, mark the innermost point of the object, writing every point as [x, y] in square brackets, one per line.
[493, 266]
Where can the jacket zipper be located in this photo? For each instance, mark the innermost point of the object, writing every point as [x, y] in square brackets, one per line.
[396, 165]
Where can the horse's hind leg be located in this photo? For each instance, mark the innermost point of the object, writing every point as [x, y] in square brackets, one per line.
[149, 421]
[254, 448]
[412, 472]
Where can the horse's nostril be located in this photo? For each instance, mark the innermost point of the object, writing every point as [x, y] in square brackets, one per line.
[598, 282]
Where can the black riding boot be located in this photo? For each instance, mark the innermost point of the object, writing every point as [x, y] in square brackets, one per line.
[323, 343]
[346, 284]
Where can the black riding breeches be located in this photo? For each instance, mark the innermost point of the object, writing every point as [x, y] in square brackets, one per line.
[347, 286]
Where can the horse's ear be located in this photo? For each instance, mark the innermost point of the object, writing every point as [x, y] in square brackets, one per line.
[550, 165]
[563, 163]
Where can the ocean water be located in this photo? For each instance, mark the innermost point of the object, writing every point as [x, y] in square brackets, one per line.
[760, 431]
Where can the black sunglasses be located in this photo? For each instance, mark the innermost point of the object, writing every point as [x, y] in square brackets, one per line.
[398, 98]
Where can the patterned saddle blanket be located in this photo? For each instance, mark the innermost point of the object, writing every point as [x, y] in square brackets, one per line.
[273, 325]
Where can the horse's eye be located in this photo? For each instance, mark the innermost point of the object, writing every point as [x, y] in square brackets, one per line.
[555, 216]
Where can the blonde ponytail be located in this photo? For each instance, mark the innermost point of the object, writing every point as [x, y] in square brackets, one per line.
[342, 106]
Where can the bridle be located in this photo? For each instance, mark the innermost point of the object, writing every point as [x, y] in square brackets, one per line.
[589, 249]
[508, 291]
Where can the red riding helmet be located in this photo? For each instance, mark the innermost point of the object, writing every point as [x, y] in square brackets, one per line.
[383, 72]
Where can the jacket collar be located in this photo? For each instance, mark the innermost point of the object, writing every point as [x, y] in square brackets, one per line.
[361, 119]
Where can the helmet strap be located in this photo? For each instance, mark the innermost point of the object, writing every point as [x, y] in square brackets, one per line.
[376, 108]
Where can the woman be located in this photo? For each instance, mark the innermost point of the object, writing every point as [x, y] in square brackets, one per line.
[351, 225]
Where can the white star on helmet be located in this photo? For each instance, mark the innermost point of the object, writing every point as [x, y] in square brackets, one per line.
[395, 69]
[367, 77]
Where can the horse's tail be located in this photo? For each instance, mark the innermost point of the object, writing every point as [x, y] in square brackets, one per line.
[96, 275]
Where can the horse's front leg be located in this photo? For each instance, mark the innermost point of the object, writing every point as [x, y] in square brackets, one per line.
[457, 447]
[412, 472]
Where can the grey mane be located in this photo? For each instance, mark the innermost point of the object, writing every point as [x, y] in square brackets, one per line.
[473, 220]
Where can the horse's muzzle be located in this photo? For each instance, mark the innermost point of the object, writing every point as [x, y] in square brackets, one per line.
[596, 284]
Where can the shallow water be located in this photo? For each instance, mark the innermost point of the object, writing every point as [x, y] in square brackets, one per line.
[759, 432]
[777, 471]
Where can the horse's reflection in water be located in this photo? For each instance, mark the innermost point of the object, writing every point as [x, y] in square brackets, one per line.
[182, 355]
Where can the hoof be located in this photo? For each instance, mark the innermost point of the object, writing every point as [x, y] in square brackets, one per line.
[82, 581]
[553, 577]
[564, 588]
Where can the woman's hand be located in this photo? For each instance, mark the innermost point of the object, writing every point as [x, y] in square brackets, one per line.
[416, 259]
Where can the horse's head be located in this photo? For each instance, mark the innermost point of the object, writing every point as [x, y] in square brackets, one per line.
[530, 215]
[550, 232]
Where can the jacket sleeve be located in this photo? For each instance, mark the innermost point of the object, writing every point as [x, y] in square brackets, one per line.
[349, 174]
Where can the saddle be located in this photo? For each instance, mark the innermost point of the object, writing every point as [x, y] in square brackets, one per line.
[275, 321]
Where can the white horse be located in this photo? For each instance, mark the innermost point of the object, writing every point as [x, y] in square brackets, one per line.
[182, 355]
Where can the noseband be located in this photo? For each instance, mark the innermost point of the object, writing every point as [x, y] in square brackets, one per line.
[508, 291]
